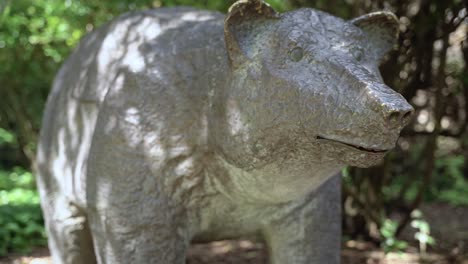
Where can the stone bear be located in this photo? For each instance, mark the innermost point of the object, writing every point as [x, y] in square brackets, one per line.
[177, 125]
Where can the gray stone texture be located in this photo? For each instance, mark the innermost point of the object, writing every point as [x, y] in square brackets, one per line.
[176, 125]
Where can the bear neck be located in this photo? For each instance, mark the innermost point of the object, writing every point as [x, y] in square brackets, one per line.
[274, 183]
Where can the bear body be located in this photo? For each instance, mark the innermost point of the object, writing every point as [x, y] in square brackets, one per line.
[176, 125]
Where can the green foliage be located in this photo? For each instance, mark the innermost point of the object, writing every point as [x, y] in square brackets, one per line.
[423, 235]
[21, 228]
[6, 137]
[450, 184]
[16, 178]
[204, 4]
[35, 38]
[449, 181]
[223, 6]
[21, 223]
[388, 232]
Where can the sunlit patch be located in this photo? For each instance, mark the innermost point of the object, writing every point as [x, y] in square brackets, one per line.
[132, 116]
[221, 247]
[60, 163]
[234, 118]
[134, 59]
[178, 146]
[154, 148]
[185, 167]
[195, 16]
[129, 55]
[71, 119]
[110, 124]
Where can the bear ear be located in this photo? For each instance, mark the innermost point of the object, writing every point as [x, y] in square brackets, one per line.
[382, 29]
[241, 25]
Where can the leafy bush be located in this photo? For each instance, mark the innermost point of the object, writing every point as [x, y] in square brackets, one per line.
[21, 222]
[6, 137]
[450, 185]
[389, 241]
[423, 234]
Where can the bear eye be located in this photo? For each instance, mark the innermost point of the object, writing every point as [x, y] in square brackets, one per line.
[296, 54]
[358, 54]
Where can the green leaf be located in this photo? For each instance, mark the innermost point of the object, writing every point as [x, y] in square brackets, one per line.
[6, 137]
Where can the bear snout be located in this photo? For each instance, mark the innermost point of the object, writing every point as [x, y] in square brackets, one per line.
[398, 116]
[393, 109]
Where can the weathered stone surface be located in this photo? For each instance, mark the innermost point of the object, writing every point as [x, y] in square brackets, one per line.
[175, 125]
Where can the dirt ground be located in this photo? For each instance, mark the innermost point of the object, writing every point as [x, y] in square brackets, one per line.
[449, 226]
[246, 252]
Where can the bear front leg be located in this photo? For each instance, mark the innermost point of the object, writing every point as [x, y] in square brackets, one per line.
[131, 220]
[123, 239]
[310, 233]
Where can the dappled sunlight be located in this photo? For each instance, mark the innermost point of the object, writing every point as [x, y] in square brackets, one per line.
[121, 123]
[130, 146]
[237, 126]
[195, 16]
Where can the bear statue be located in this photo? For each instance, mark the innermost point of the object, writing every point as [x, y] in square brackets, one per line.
[177, 125]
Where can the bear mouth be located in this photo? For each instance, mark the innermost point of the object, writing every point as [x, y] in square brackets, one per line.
[356, 147]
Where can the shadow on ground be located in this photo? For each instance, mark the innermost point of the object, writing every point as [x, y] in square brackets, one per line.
[246, 252]
[450, 232]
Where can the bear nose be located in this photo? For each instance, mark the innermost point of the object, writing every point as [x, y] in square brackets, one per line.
[399, 117]
[393, 107]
